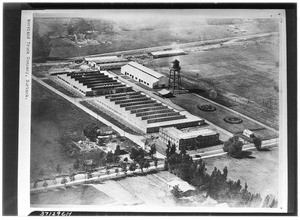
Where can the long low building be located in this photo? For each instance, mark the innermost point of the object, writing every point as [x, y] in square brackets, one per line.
[106, 59]
[190, 139]
[145, 75]
[167, 53]
[146, 113]
[93, 83]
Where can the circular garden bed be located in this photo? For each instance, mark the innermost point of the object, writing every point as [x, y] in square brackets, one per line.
[233, 120]
[207, 108]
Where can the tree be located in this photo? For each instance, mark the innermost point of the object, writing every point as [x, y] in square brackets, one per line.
[137, 155]
[233, 146]
[70, 28]
[225, 172]
[132, 166]
[107, 171]
[168, 149]
[58, 168]
[257, 142]
[141, 153]
[76, 164]
[141, 164]
[236, 149]
[183, 150]
[147, 164]
[176, 192]
[213, 94]
[64, 181]
[133, 154]
[117, 151]
[45, 184]
[173, 150]
[89, 174]
[155, 162]
[109, 157]
[152, 150]
[124, 167]
[72, 177]
[91, 131]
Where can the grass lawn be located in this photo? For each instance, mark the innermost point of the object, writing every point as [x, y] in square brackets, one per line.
[55, 123]
[191, 101]
[260, 172]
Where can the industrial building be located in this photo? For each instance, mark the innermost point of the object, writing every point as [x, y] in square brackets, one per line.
[167, 53]
[190, 139]
[146, 113]
[107, 59]
[93, 83]
[107, 62]
[145, 75]
[140, 110]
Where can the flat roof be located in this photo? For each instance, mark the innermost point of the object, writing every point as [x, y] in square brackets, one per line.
[166, 52]
[189, 118]
[101, 58]
[189, 134]
[146, 70]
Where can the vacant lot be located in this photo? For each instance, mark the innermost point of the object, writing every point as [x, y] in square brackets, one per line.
[61, 88]
[126, 34]
[77, 195]
[151, 190]
[55, 123]
[247, 71]
[260, 171]
[190, 102]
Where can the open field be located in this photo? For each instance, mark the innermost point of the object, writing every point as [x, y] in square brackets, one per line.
[244, 75]
[151, 190]
[52, 129]
[77, 195]
[260, 170]
[190, 102]
[125, 34]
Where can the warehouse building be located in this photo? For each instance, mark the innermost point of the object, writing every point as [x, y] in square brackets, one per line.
[93, 83]
[145, 75]
[194, 139]
[146, 113]
[167, 53]
[107, 62]
[106, 59]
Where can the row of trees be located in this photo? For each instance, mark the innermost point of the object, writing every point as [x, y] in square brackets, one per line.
[233, 146]
[216, 185]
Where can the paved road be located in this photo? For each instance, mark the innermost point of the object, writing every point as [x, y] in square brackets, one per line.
[96, 176]
[220, 152]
